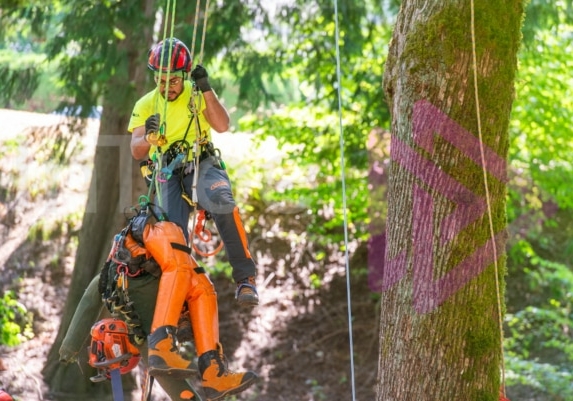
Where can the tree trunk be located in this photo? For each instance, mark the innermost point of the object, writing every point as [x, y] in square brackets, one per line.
[442, 275]
[115, 186]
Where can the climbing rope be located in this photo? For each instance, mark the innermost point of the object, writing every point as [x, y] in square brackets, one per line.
[488, 199]
[169, 12]
[343, 180]
[198, 220]
[169, 20]
[194, 40]
[195, 108]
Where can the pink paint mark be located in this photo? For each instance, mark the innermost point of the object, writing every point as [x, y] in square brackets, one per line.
[470, 206]
[427, 119]
[428, 293]
[376, 250]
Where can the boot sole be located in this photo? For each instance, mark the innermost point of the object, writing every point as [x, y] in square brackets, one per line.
[242, 387]
[174, 373]
[248, 301]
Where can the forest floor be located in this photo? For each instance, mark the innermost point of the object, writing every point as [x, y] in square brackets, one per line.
[297, 339]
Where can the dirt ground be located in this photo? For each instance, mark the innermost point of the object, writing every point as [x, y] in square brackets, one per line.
[297, 340]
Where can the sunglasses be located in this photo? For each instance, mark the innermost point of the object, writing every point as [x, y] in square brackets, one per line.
[172, 82]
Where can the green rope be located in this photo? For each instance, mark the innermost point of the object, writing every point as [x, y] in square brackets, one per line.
[157, 159]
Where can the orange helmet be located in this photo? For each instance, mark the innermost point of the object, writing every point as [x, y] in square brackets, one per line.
[110, 347]
[159, 61]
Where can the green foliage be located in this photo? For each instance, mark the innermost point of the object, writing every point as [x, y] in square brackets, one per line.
[23, 29]
[309, 132]
[20, 76]
[15, 321]
[543, 15]
[316, 389]
[540, 302]
[88, 49]
[540, 129]
[537, 378]
[312, 170]
[221, 268]
[538, 346]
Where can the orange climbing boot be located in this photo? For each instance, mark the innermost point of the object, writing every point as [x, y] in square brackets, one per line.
[218, 381]
[166, 243]
[164, 358]
[246, 294]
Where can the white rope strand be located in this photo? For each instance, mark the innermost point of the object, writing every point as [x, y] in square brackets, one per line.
[197, 11]
[204, 32]
[343, 180]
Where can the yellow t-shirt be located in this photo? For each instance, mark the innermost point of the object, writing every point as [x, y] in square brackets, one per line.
[178, 116]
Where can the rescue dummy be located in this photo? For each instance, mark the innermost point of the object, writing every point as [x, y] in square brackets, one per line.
[182, 285]
[183, 281]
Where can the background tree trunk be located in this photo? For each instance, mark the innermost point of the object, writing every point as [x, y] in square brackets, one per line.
[115, 186]
[440, 335]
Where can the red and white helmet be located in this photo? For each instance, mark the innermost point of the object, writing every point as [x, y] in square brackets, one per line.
[169, 55]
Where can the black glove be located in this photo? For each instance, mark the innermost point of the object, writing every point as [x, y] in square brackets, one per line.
[152, 124]
[201, 78]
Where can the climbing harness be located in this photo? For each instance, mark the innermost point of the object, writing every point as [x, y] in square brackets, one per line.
[113, 285]
[488, 202]
[174, 161]
[175, 158]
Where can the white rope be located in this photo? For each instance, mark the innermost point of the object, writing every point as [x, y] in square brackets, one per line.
[196, 106]
[343, 180]
[487, 197]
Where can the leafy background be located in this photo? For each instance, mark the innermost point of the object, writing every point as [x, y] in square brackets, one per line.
[280, 83]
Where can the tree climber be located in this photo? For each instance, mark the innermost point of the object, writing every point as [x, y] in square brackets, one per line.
[168, 141]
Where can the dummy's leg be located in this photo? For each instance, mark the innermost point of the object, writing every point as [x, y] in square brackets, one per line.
[166, 243]
[218, 381]
[87, 312]
[143, 293]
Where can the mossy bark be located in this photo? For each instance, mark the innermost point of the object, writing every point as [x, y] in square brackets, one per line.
[440, 334]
